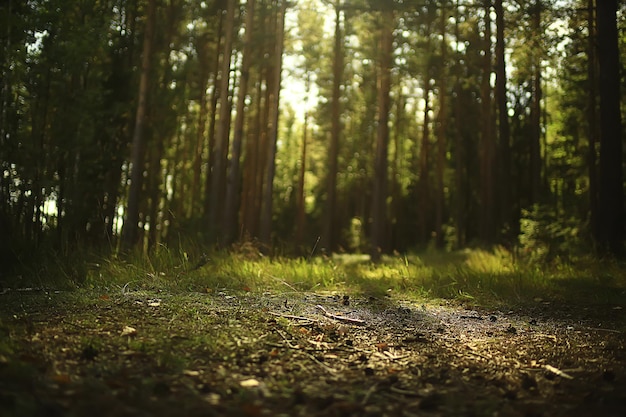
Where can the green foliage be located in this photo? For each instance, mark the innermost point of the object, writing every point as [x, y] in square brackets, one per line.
[487, 277]
[545, 236]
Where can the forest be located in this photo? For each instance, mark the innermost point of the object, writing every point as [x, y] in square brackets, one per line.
[312, 208]
[311, 126]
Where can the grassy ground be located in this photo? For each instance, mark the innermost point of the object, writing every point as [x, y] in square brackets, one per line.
[466, 333]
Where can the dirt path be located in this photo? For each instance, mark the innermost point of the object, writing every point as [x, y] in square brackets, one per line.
[156, 354]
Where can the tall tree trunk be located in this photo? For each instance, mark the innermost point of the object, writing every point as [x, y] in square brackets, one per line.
[504, 147]
[223, 128]
[379, 204]
[231, 211]
[487, 220]
[611, 193]
[202, 46]
[268, 190]
[131, 224]
[329, 235]
[535, 111]
[423, 182]
[215, 96]
[592, 118]
[300, 202]
[461, 200]
[442, 117]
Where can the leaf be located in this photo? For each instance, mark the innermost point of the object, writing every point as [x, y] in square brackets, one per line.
[188, 372]
[249, 383]
[129, 331]
[61, 379]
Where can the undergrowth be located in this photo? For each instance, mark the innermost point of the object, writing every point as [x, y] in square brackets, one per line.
[476, 276]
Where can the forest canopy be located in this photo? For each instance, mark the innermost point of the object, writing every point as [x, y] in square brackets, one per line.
[312, 125]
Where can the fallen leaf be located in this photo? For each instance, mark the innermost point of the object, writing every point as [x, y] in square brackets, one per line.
[105, 297]
[382, 346]
[61, 379]
[129, 331]
[249, 383]
[188, 372]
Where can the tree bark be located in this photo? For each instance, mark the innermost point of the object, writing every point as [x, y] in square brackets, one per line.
[231, 212]
[611, 202]
[268, 190]
[379, 206]
[504, 147]
[487, 223]
[328, 237]
[535, 111]
[442, 117]
[592, 118]
[131, 224]
[222, 134]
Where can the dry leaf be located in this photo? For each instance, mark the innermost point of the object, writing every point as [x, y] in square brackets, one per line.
[382, 346]
[188, 372]
[61, 379]
[129, 331]
[249, 383]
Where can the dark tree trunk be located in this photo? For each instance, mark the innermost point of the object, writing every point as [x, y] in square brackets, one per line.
[328, 237]
[130, 233]
[219, 151]
[231, 211]
[611, 202]
[504, 147]
[265, 234]
[379, 206]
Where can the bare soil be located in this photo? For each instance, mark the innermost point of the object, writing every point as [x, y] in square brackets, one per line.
[150, 353]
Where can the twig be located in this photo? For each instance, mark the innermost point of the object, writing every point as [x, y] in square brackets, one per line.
[314, 248]
[320, 363]
[600, 329]
[287, 340]
[369, 393]
[290, 316]
[557, 371]
[340, 318]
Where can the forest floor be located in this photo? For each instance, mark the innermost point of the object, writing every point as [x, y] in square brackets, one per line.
[152, 353]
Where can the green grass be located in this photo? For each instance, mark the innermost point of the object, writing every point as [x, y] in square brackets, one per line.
[479, 276]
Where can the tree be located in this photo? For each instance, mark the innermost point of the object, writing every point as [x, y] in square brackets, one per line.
[273, 116]
[379, 193]
[231, 210]
[130, 231]
[330, 226]
[610, 233]
[219, 152]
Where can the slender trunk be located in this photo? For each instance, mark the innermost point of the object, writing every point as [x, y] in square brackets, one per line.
[231, 210]
[611, 192]
[131, 224]
[379, 206]
[215, 95]
[504, 152]
[202, 46]
[223, 128]
[441, 139]
[487, 224]
[301, 207]
[535, 111]
[265, 234]
[592, 122]
[423, 182]
[329, 235]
